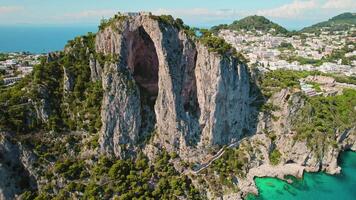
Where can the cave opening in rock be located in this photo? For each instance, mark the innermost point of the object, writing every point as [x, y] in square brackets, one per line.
[143, 62]
[143, 65]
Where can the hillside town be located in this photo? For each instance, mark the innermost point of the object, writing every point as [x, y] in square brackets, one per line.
[14, 66]
[325, 51]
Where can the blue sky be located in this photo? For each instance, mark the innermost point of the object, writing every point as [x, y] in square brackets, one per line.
[289, 13]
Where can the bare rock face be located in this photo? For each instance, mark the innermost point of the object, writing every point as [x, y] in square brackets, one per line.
[43, 108]
[190, 97]
[16, 169]
[52, 56]
[298, 152]
[120, 111]
[223, 95]
[95, 69]
[68, 81]
[296, 155]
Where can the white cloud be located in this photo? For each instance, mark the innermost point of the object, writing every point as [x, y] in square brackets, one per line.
[292, 10]
[88, 14]
[197, 12]
[10, 9]
[340, 4]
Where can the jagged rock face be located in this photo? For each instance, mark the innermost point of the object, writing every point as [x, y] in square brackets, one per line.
[194, 97]
[298, 152]
[15, 163]
[68, 81]
[223, 96]
[43, 109]
[52, 56]
[95, 69]
[120, 111]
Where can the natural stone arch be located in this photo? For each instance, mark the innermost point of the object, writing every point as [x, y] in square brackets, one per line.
[143, 62]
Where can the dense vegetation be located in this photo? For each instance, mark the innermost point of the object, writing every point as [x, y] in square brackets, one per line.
[285, 46]
[80, 109]
[3, 56]
[15, 112]
[219, 45]
[74, 110]
[111, 21]
[273, 81]
[345, 79]
[275, 157]
[73, 177]
[222, 175]
[338, 23]
[252, 23]
[214, 43]
[169, 20]
[316, 123]
[322, 117]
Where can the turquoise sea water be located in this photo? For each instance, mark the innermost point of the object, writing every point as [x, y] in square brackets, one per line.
[313, 185]
[38, 39]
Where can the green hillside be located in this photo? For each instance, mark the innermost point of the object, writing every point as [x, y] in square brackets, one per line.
[252, 23]
[340, 22]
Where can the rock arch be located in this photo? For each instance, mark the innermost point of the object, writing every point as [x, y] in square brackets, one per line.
[143, 62]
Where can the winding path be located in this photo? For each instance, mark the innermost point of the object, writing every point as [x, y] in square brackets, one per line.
[215, 157]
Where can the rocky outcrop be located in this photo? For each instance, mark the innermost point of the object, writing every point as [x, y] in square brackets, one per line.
[120, 111]
[197, 98]
[95, 68]
[52, 56]
[223, 96]
[296, 156]
[16, 169]
[68, 81]
[42, 107]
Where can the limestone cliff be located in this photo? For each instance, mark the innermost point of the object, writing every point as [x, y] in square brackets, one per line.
[195, 98]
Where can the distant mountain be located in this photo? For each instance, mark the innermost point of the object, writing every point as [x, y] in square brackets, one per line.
[252, 23]
[339, 22]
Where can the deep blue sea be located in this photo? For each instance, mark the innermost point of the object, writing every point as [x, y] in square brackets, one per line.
[38, 39]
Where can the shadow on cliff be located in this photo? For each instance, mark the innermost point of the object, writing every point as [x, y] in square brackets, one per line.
[257, 100]
[143, 65]
[17, 179]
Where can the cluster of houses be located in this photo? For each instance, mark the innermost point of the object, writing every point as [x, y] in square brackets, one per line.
[308, 89]
[17, 65]
[266, 49]
[322, 85]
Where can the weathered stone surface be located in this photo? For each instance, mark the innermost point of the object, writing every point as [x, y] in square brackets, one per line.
[42, 108]
[95, 69]
[120, 111]
[198, 98]
[223, 96]
[296, 156]
[68, 81]
[52, 56]
[16, 169]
